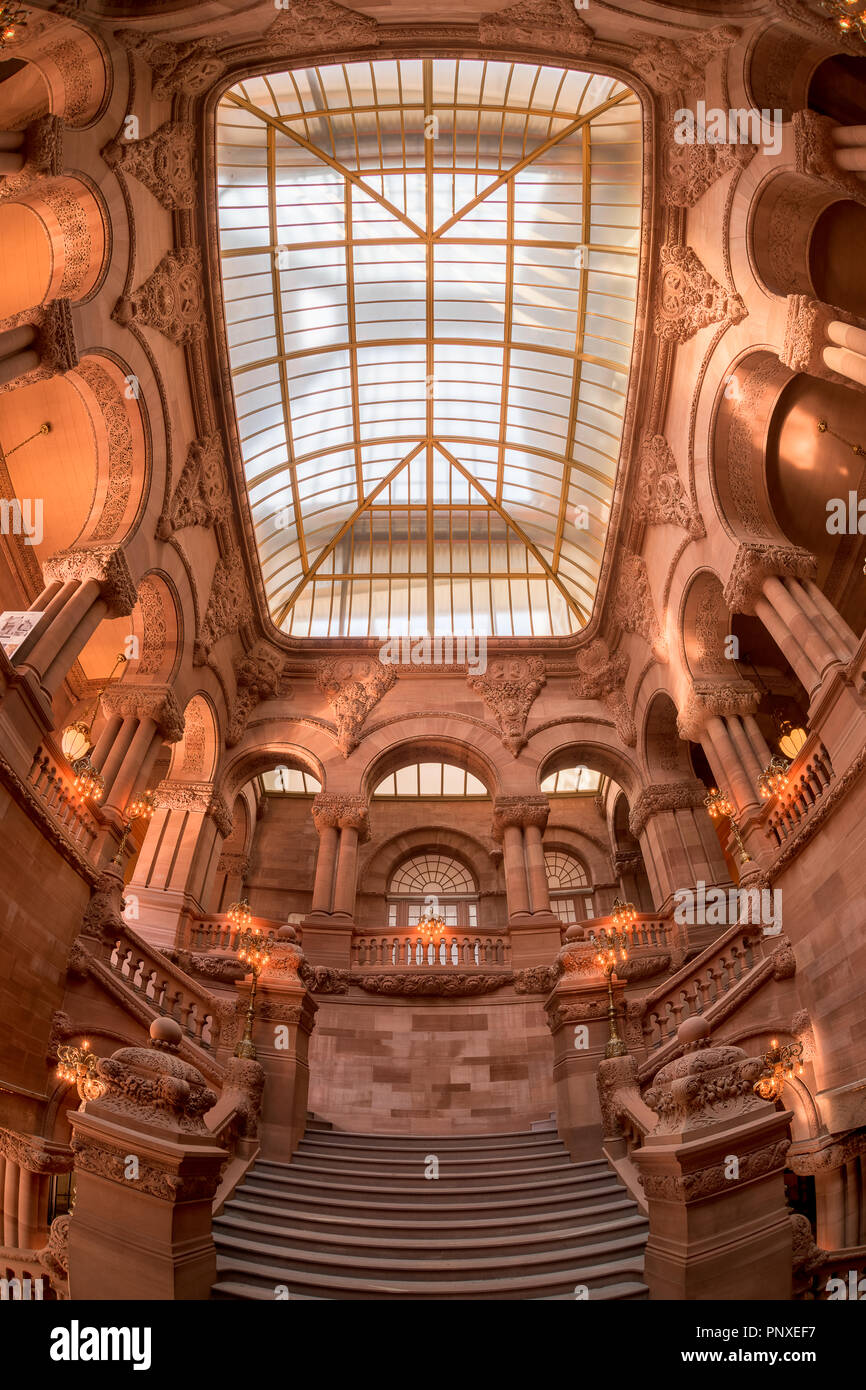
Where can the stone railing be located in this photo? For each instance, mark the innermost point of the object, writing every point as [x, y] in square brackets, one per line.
[217, 933]
[49, 779]
[809, 778]
[167, 990]
[408, 951]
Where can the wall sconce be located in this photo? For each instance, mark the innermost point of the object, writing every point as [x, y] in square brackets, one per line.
[781, 1064]
[76, 1064]
[139, 809]
[848, 14]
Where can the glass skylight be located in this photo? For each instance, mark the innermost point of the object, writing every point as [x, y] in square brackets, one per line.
[429, 271]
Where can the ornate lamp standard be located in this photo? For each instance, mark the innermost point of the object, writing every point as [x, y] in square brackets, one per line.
[721, 807]
[254, 950]
[612, 945]
[774, 777]
[139, 809]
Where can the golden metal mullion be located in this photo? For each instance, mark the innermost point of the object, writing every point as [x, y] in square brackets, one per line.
[431, 352]
[508, 340]
[281, 346]
[353, 349]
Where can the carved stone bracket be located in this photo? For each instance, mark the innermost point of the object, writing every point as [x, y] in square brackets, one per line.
[634, 608]
[688, 298]
[352, 689]
[670, 67]
[228, 608]
[179, 69]
[201, 497]
[690, 170]
[519, 810]
[42, 153]
[171, 299]
[164, 162]
[602, 677]
[147, 702]
[814, 154]
[258, 678]
[308, 26]
[709, 699]
[806, 338]
[704, 1086]
[551, 24]
[755, 562]
[508, 689]
[105, 563]
[659, 495]
[674, 796]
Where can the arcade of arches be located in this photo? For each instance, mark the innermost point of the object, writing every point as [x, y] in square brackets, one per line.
[425, 482]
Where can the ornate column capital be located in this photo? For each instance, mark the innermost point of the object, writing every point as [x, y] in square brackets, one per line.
[198, 797]
[665, 796]
[34, 1154]
[519, 810]
[508, 689]
[756, 561]
[233, 862]
[709, 699]
[815, 154]
[344, 810]
[806, 337]
[156, 702]
[105, 563]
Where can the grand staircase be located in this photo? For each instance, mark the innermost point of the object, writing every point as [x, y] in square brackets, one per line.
[353, 1216]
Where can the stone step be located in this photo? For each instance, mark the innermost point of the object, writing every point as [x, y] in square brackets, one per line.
[359, 1246]
[326, 1198]
[386, 1159]
[409, 1170]
[400, 1143]
[481, 1190]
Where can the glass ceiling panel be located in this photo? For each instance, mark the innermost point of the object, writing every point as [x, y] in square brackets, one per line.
[429, 380]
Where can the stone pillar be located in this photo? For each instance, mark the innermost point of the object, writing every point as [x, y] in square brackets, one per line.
[712, 1171]
[178, 859]
[577, 1015]
[342, 820]
[143, 1230]
[235, 865]
[151, 716]
[40, 345]
[347, 870]
[323, 887]
[285, 1016]
[535, 930]
[677, 838]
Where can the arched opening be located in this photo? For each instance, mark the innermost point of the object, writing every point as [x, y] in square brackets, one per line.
[838, 89]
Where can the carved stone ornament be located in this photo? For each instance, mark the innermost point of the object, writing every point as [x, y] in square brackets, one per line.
[171, 300]
[183, 796]
[690, 170]
[670, 67]
[54, 1257]
[323, 979]
[228, 608]
[352, 689]
[806, 338]
[602, 677]
[659, 495]
[552, 24]
[431, 984]
[634, 609]
[243, 1088]
[154, 1086]
[54, 342]
[308, 26]
[258, 677]
[156, 702]
[803, 16]
[688, 298]
[165, 162]
[704, 1086]
[179, 69]
[33, 1153]
[713, 699]
[699, 1183]
[508, 689]
[155, 1181]
[106, 564]
[42, 153]
[207, 965]
[220, 814]
[519, 810]
[343, 810]
[674, 796]
[201, 497]
[536, 979]
[756, 562]
[815, 154]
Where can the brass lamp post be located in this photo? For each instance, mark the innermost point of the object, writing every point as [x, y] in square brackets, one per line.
[139, 809]
[611, 945]
[254, 951]
[721, 807]
[781, 1064]
[624, 915]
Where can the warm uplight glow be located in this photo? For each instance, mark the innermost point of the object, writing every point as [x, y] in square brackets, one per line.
[791, 739]
[781, 1064]
[773, 778]
[75, 741]
[429, 279]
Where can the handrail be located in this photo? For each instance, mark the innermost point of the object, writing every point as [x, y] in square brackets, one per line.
[453, 951]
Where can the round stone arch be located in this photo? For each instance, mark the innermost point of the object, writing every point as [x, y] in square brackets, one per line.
[195, 757]
[381, 861]
[157, 626]
[593, 745]
[589, 850]
[123, 464]
[449, 742]
[743, 418]
[665, 754]
[796, 224]
[55, 236]
[66, 72]
[704, 627]
[248, 761]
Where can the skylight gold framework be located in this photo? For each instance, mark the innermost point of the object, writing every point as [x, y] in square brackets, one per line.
[429, 273]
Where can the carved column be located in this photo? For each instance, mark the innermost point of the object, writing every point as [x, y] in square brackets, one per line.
[518, 823]
[326, 863]
[38, 344]
[712, 1170]
[677, 839]
[27, 1164]
[343, 825]
[178, 859]
[149, 716]
[143, 1229]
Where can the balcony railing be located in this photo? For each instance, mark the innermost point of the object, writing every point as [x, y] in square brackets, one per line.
[458, 951]
[809, 777]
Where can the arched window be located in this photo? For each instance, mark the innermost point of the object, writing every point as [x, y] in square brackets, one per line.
[433, 875]
[570, 888]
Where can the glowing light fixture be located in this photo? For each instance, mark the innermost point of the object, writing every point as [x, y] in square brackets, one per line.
[774, 778]
[611, 946]
[850, 15]
[721, 807]
[781, 1064]
[791, 738]
[76, 742]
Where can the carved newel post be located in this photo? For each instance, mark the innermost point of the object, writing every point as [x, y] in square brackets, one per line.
[285, 1015]
[146, 1171]
[712, 1170]
[577, 1015]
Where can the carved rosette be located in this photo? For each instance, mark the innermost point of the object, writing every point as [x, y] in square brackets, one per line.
[670, 67]
[634, 609]
[806, 338]
[688, 298]
[704, 1086]
[258, 678]
[352, 689]
[165, 162]
[308, 26]
[201, 497]
[171, 299]
[147, 702]
[602, 677]
[343, 810]
[673, 796]
[757, 561]
[689, 171]
[710, 699]
[179, 69]
[106, 564]
[508, 689]
[228, 608]
[659, 495]
[519, 810]
[552, 24]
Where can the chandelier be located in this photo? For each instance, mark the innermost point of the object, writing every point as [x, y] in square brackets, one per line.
[77, 745]
[774, 778]
[10, 16]
[781, 1064]
[76, 1064]
[850, 15]
[431, 927]
[623, 915]
[239, 915]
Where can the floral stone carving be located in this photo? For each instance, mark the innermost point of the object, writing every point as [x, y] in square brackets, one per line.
[310, 25]
[352, 689]
[171, 299]
[659, 495]
[508, 689]
[602, 677]
[179, 69]
[165, 162]
[201, 497]
[258, 678]
[228, 607]
[688, 298]
[550, 24]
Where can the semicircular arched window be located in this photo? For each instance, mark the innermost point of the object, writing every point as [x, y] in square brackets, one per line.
[570, 889]
[433, 876]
